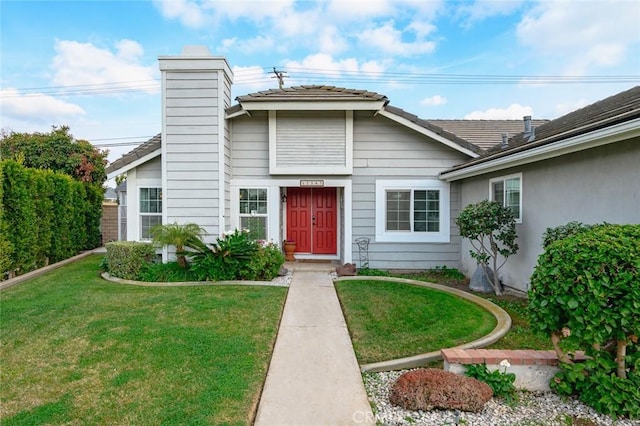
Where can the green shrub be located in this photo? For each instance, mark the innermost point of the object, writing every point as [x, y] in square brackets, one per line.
[125, 259]
[236, 257]
[500, 381]
[552, 235]
[585, 294]
[265, 264]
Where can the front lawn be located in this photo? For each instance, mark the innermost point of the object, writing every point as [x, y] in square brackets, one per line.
[389, 320]
[76, 349]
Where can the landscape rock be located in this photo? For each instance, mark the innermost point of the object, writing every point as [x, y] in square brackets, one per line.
[429, 388]
[346, 269]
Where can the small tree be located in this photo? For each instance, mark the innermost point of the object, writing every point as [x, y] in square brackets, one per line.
[491, 230]
[180, 236]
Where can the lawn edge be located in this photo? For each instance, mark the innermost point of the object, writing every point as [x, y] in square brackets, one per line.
[502, 327]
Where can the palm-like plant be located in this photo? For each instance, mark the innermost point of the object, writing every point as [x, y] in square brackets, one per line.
[178, 235]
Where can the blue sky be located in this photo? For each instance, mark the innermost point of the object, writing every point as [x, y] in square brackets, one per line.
[92, 65]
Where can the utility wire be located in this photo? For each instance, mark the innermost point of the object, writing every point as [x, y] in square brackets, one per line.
[259, 75]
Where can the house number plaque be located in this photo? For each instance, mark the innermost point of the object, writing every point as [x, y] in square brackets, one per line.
[318, 183]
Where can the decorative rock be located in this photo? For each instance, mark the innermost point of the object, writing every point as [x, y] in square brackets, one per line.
[429, 388]
[283, 272]
[346, 269]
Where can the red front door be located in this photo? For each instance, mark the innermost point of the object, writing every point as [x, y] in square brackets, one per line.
[312, 219]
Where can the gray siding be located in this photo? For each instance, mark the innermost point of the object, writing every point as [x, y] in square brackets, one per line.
[593, 186]
[191, 112]
[386, 150]
[250, 149]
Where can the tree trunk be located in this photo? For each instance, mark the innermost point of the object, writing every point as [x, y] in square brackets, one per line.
[555, 339]
[621, 353]
[496, 281]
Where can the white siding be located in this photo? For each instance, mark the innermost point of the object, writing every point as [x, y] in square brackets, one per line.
[386, 150]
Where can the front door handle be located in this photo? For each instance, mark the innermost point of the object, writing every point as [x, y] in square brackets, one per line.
[313, 218]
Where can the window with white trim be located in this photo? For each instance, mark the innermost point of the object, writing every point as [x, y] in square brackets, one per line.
[254, 212]
[507, 190]
[412, 211]
[150, 210]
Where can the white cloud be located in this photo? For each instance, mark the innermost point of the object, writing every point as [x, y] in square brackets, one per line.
[326, 65]
[567, 107]
[251, 79]
[37, 107]
[434, 100]
[248, 46]
[512, 112]
[584, 34]
[479, 10]
[188, 12]
[389, 40]
[78, 63]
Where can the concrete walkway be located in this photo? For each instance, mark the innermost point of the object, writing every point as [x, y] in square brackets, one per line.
[313, 378]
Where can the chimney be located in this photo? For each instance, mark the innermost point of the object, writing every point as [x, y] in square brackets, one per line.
[196, 90]
[505, 140]
[529, 132]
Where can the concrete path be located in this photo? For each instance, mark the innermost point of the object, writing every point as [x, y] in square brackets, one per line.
[313, 378]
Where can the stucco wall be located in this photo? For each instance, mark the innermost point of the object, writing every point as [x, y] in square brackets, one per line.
[593, 186]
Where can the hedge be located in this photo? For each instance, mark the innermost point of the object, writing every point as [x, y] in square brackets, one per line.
[45, 217]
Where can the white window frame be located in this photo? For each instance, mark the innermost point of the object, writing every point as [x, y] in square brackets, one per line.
[265, 215]
[384, 185]
[504, 180]
[142, 214]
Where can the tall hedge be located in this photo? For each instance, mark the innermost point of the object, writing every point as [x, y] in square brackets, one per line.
[43, 217]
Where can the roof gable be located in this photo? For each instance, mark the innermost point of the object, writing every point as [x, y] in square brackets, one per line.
[143, 153]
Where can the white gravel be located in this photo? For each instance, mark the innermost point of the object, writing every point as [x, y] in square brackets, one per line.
[534, 408]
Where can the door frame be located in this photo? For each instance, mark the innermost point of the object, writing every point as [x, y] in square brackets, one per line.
[277, 211]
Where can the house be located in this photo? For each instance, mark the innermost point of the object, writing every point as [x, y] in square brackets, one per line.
[320, 165]
[583, 166]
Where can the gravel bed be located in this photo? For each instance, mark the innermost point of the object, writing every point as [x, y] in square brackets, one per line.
[534, 408]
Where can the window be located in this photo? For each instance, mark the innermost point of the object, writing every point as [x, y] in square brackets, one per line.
[254, 212]
[150, 210]
[507, 190]
[412, 211]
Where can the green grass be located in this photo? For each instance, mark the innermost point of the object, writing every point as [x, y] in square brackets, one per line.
[389, 320]
[520, 336]
[76, 349]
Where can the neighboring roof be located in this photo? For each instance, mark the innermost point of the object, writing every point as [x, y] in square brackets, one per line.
[122, 186]
[484, 133]
[312, 93]
[428, 125]
[110, 194]
[581, 128]
[149, 147]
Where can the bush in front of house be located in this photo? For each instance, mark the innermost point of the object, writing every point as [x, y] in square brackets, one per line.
[236, 257]
[557, 233]
[126, 259]
[585, 294]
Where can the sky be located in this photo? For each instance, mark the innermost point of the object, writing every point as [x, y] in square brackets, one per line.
[93, 65]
